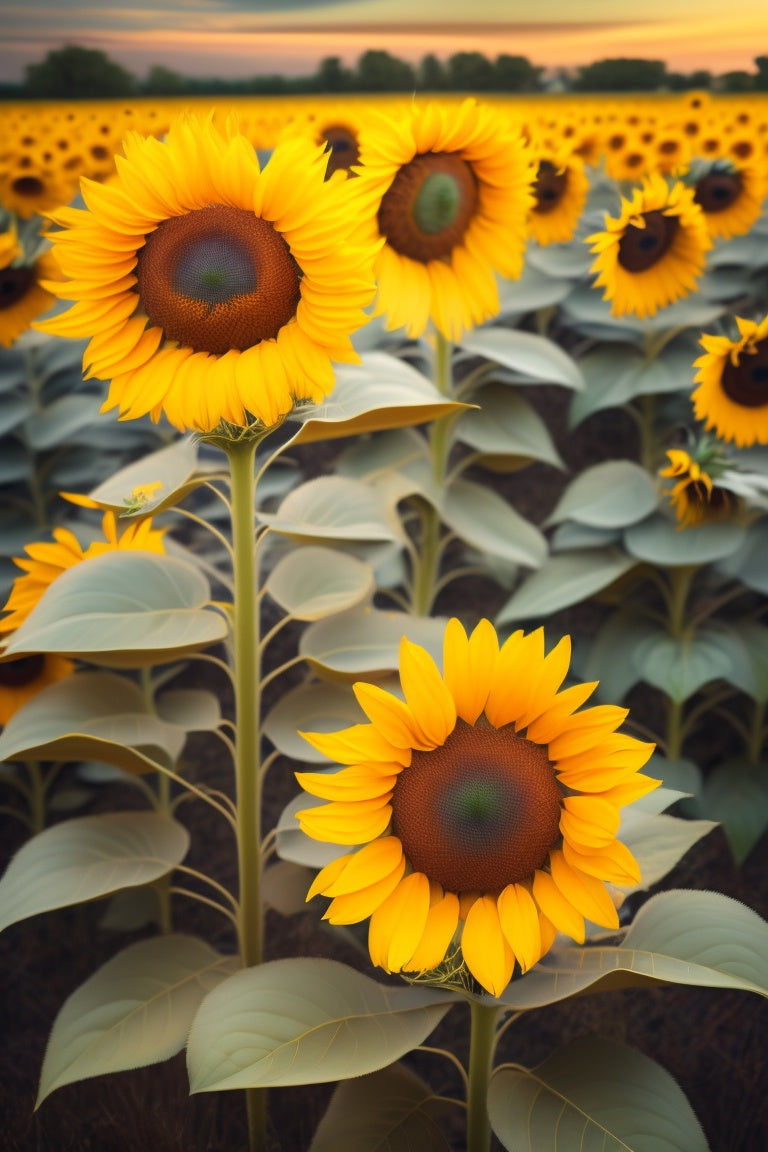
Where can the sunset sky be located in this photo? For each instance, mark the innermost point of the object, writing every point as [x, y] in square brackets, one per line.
[246, 37]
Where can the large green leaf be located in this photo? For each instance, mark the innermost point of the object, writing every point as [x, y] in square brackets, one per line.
[532, 291]
[89, 857]
[314, 707]
[172, 468]
[334, 508]
[62, 420]
[594, 1095]
[304, 1021]
[607, 495]
[367, 641]
[483, 519]
[616, 373]
[388, 1111]
[311, 583]
[736, 795]
[123, 608]
[382, 392]
[678, 937]
[658, 540]
[534, 358]
[135, 1010]
[91, 716]
[658, 842]
[14, 408]
[680, 668]
[746, 560]
[751, 676]
[506, 430]
[372, 457]
[564, 579]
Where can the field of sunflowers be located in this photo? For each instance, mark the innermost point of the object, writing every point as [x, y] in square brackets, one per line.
[384, 651]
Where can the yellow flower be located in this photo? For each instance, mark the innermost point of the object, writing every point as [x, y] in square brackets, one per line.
[213, 290]
[730, 196]
[22, 296]
[695, 497]
[45, 562]
[560, 190]
[486, 803]
[449, 191]
[653, 253]
[24, 676]
[732, 396]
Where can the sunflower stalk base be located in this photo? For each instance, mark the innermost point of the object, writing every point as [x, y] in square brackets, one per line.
[481, 1047]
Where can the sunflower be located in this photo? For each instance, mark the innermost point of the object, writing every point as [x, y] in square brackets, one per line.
[30, 190]
[24, 676]
[730, 195]
[449, 191]
[561, 192]
[696, 497]
[22, 296]
[486, 805]
[652, 254]
[45, 562]
[211, 289]
[732, 396]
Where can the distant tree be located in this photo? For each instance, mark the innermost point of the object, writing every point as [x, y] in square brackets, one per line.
[332, 77]
[516, 74]
[736, 82]
[378, 71]
[621, 75]
[75, 73]
[470, 72]
[162, 81]
[430, 74]
[701, 78]
[761, 79]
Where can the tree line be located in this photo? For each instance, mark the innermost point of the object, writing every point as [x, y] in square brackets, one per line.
[74, 72]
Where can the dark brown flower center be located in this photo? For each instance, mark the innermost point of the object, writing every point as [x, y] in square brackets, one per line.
[28, 186]
[14, 285]
[17, 673]
[429, 205]
[746, 383]
[641, 248]
[548, 187]
[342, 146]
[717, 191]
[217, 278]
[480, 812]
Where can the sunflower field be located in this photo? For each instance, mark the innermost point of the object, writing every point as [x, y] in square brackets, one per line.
[384, 650]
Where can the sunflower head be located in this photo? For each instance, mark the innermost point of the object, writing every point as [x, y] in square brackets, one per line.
[213, 292]
[732, 396]
[695, 496]
[730, 195]
[22, 677]
[486, 806]
[22, 295]
[560, 191]
[448, 192]
[653, 253]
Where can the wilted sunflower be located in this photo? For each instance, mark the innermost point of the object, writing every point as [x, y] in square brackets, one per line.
[696, 497]
[212, 289]
[652, 254]
[449, 190]
[560, 191]
[45, 562]
[486, 804]
[730, 195]
[24, 676]
[732, 396]
[22, 297]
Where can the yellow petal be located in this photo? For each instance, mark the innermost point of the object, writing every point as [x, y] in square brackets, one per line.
[393, 719]
[327, 875]
[587, 894]
[630, 790]
[468, 666]
[340, 823]
[543, 685]
[397, 926]
[519, 918]
[372, 863]
[585, 729]
[362, 743]
[426, 693]
[357, 906]
[589, 821]
[484, 947]
[614, 863]
[350, 784]
[556, 907]
[512, 675]
[442, 921]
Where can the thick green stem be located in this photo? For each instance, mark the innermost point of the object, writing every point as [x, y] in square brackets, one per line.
[756, 732]
[241, 455]
[37, 797]
[427, 567]
[481, 1045]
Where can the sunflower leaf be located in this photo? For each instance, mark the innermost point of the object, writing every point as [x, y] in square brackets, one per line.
[367, 641]
[736, 795]
[484, 520]
[167, 474]
[315, 707]
[92, 856]
[607, 495]
[534, 358]
[334, 508]
[564, 579]
[657, 540]
[388, 1111]
[311, 583]
[134, 1011]
[506, 430]
[595, 1095]
[304, 1021]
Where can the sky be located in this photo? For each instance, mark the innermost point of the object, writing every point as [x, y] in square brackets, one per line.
[247, 37]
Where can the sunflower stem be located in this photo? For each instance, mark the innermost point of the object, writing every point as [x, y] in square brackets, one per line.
[241, 456]
[428, 561]
[482, 1039]
[756, 732]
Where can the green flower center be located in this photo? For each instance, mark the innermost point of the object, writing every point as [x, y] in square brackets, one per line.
[480, 812]
[428, 206]
[641, 248]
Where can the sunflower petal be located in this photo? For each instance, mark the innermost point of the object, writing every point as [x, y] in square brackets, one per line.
[484, 947]
[398, 924]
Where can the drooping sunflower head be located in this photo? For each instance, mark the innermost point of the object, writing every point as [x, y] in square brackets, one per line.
[45, 562]
[695, 496]
[654, 252]
[22, 677]
[486, 804]
[732, 396]
[730, 195]
[448, 191]
[213, 291]
[560, 192]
